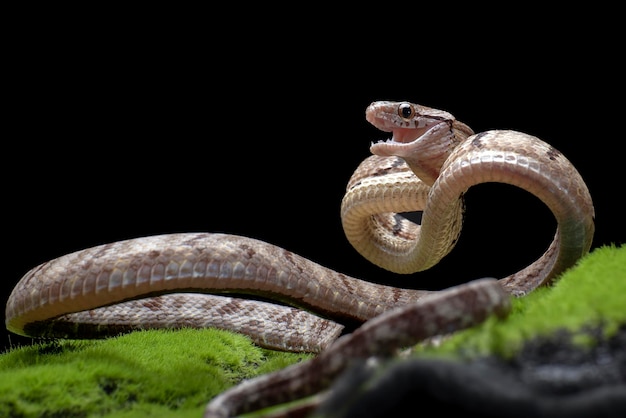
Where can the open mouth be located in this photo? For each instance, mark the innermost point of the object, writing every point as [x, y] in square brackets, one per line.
[402, 138]
[406, 135]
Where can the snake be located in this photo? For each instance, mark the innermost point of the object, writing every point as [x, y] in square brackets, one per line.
[285, 301]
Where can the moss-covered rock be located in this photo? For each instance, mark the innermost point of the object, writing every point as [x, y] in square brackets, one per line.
[560, 353]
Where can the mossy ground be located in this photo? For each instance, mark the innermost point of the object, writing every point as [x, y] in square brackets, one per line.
[590, 295]
[147, 373]
[175, 373]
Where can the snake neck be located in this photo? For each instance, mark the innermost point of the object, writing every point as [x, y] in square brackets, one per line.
[427, 153]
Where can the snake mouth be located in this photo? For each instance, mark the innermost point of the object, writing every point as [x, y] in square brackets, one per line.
[404, 140]
[406, 136]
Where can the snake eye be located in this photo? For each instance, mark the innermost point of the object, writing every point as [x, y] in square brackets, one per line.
[406, 110]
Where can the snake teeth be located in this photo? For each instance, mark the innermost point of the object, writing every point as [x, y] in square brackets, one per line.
[382, 141]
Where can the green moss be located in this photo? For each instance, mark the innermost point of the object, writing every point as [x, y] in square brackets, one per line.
[590, 295]
[175, 373]
[149, 373]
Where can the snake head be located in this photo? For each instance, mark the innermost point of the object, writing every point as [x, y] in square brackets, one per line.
[422, 136]
[406, 121]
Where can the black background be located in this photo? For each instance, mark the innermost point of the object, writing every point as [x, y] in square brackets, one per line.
[126, 127]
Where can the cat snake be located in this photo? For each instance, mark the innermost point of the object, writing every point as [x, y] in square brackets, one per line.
[198, 279]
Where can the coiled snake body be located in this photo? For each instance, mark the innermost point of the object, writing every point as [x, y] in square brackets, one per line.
[428, 164]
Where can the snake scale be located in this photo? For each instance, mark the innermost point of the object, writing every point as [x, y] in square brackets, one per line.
[197, 279]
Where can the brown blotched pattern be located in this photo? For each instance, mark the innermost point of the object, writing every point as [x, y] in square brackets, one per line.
[449, 310]
[442, 160]
[94, 281]
[269, 325]
[429, 163]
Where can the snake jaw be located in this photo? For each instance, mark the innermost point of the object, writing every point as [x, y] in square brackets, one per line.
[412, 127]
[405, 141]
[425, 152]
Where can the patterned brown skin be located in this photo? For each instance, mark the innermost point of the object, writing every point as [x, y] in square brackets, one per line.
[444, 312]
[428, 164]
[105, 275]
[269, 325]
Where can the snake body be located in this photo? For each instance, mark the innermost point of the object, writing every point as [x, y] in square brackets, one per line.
[452, 309]
[90, 282]
[429, 163]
